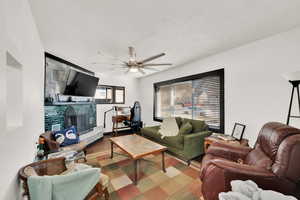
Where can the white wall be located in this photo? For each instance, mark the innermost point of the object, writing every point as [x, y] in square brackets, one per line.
[20, 38]
[131, 95]
[255, 91]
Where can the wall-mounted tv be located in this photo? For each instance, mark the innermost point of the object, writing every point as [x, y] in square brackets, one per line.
[80, 84]
[65, 78]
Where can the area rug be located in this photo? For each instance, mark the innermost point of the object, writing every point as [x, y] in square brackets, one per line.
[180, 182]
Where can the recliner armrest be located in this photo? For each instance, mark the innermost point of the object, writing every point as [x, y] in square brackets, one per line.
[246, 170]
[219, 173]
[228, 151]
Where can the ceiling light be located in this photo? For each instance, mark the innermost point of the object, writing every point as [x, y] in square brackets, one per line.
[133, 69]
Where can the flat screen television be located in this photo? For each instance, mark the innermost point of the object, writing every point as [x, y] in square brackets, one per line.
[81, 84]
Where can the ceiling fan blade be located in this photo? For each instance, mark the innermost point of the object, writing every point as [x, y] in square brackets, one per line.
[152, 58]
[141, 71]
[151, 69]
[157, 64]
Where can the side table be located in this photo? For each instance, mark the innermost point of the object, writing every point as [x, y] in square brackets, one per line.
[209, 140]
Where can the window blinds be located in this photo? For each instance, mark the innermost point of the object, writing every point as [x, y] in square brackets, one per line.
[199, 97]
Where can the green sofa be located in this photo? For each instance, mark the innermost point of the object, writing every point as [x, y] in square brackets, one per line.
[186, 146]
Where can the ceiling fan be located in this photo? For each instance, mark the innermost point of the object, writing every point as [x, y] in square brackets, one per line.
[135, 65]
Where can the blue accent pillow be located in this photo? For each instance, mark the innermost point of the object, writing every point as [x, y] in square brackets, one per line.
[66, 137]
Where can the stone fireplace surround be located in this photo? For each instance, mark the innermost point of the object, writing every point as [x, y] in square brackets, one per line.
[79, 118]
[82, 116]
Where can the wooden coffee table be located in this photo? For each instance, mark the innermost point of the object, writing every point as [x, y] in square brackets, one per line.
[137, 147]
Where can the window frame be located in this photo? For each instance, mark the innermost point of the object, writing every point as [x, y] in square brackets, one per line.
[113, 99]
[114, 94]
[106, 100]
[218, 72]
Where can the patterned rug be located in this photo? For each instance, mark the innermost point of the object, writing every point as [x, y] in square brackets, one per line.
[180, 182]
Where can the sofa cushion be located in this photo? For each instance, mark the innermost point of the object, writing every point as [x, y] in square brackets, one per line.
[66, 137]
[174, 141]
[198, 125]
[185, 129]
[152, 132]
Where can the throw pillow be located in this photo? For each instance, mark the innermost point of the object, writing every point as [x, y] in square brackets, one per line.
[66, 137]
[198, 125]
[185, 129]
[178, 121]
[168, 127]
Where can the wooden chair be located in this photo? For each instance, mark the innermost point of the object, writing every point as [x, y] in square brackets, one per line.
[55, 167]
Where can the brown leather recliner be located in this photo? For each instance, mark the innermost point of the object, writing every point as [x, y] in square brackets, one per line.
[274, 163]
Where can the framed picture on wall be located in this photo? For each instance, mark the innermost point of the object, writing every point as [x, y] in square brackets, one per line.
[238, 131]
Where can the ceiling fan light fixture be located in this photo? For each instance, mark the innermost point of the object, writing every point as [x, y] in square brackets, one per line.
[133, 69]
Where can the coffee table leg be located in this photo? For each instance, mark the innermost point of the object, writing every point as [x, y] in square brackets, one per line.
[111, 150]
[163, 161]
[135, 172]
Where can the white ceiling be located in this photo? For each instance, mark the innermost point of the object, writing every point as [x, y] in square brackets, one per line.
[184, 30]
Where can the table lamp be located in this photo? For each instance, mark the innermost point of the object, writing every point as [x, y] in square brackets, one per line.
[294, 79]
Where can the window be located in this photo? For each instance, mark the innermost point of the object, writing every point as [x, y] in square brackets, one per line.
[106, 94]
[119, 95]
[198, 97]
